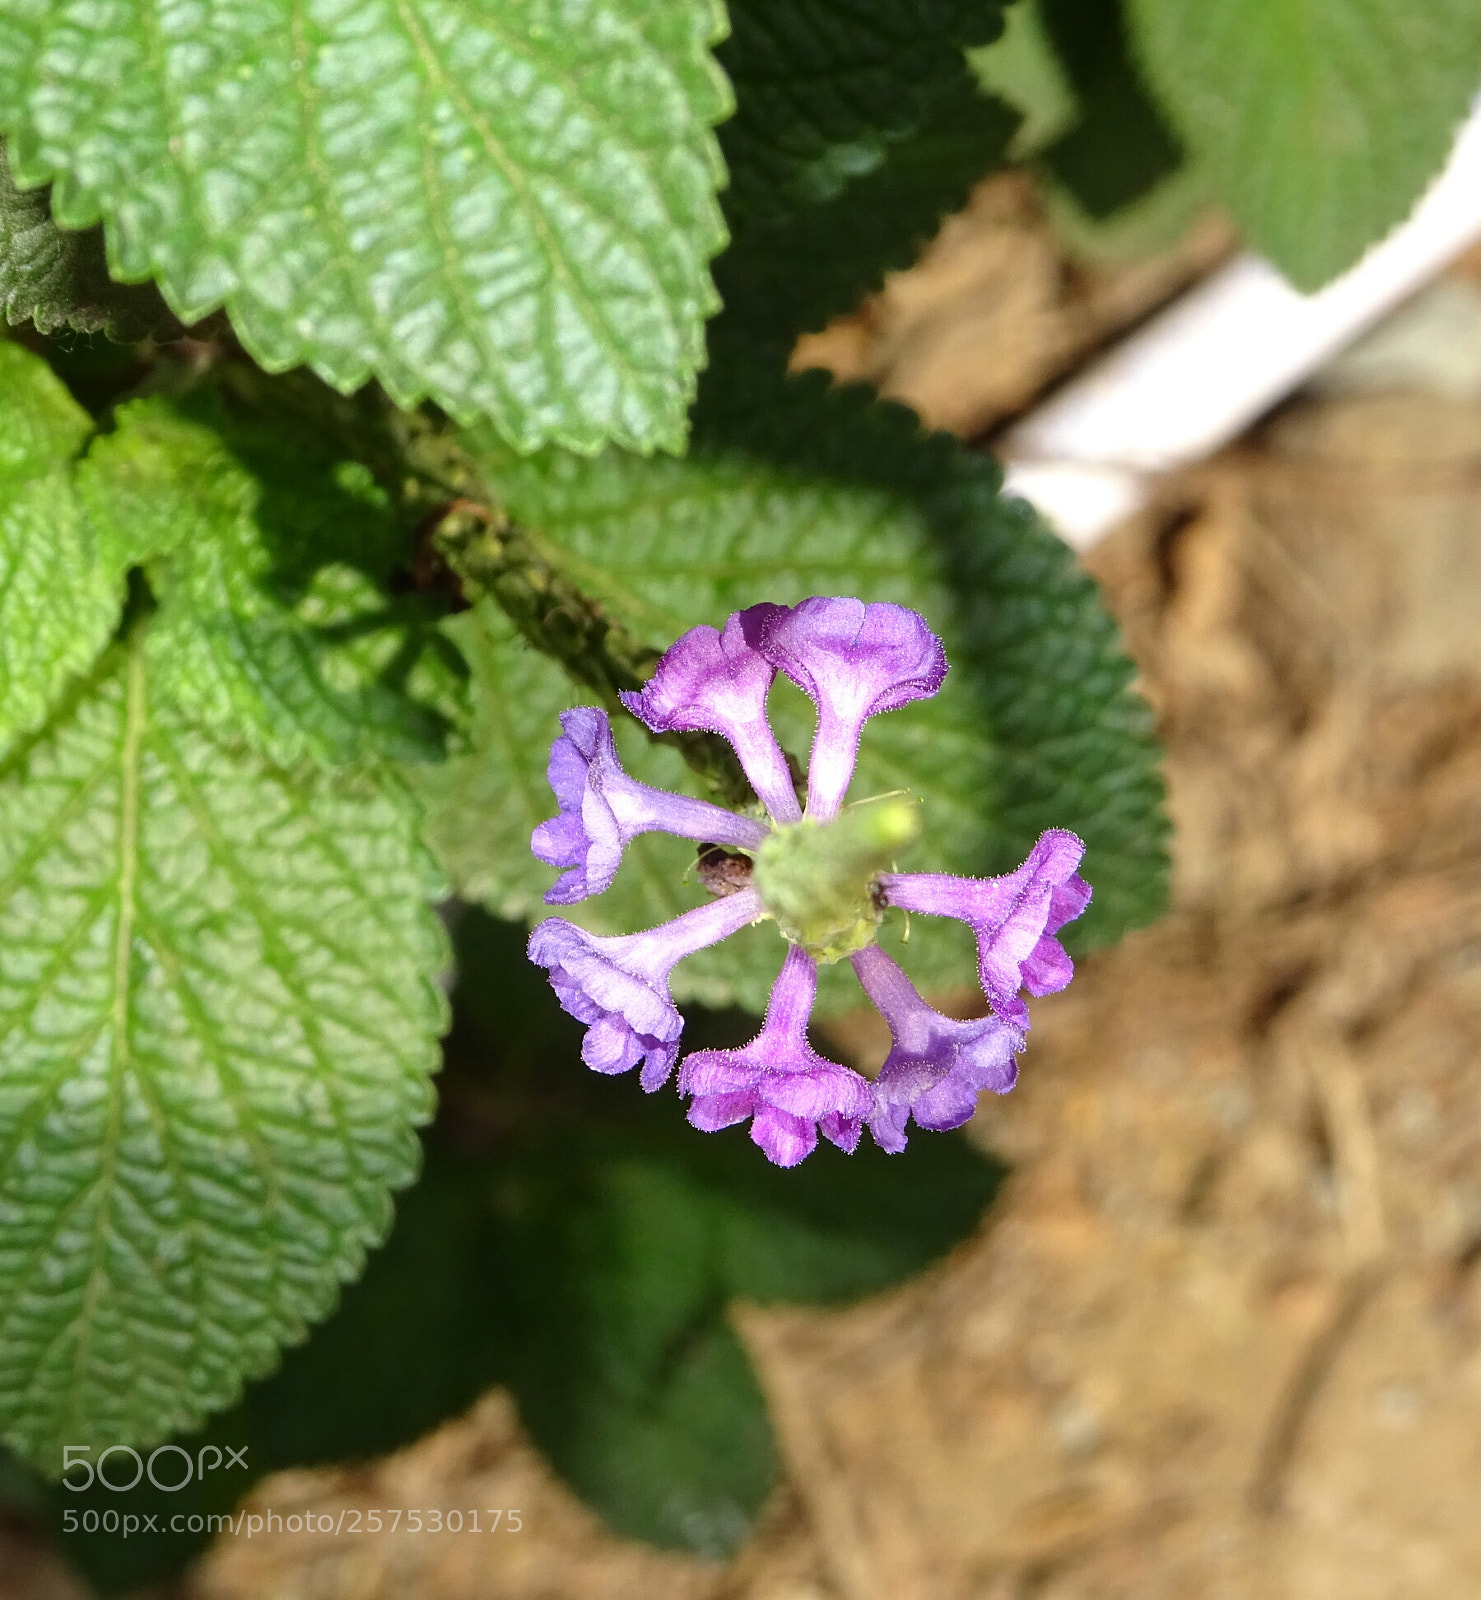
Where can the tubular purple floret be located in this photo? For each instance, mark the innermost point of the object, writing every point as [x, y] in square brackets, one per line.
[937, 1065]
[602, 810]
[1015, 918]
[715, 681]
[854, 661]
[618, 985]
[778, 1080]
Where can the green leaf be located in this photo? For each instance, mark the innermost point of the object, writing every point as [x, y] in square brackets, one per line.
[1320, 121]
[791, 274]
[627, 1372]
[859, 127]
[413, 1343]
[1023, 69]
[484, 802]
[58, 603]
[219, 1026]
[269, 554]
[1119, 147]
[824, 87]
[57, 279]
[508, 209]
[795, 489]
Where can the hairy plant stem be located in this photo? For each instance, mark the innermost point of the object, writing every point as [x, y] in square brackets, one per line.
[491, 554]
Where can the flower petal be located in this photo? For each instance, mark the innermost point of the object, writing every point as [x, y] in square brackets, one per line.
[785, 1139]
[951, 1104]
[816, 1092]
[611, 1046]
[887, 1124]
[711, 1112]
[953, 1101]
[843, 652]
[1047, 968]
[717, 1072]
[658, 1063]
[842, 1131]
[560, 842]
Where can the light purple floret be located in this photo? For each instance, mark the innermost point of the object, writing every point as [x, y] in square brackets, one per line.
[602, 810]
[778, 1080]
[937, 1065]
[618, 986]
[854, 661]
[1015, 918]
[716, 681]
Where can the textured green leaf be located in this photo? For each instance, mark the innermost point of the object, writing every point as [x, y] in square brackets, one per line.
[268, 554]
[858, 127]
[1119, 148]
[58, 603]
[1320, 121]
[363, 1384]
[794, 489]
[824, 87]
[790, 274]
[484, 802]
[508, 208]
[56, 279]
[219, 1024]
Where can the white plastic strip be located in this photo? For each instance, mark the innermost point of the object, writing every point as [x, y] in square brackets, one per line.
[1220, 356]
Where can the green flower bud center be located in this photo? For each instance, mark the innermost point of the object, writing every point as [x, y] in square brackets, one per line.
[817, 879]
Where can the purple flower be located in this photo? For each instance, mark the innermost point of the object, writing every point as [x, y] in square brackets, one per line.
[937, 1066]
[1015, 918]
[853, 661]
[717, 682]
[601, 809]
[618, 986]
[821, 877]
[778, 1080]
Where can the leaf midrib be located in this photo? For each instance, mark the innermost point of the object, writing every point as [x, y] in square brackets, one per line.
[130, 754]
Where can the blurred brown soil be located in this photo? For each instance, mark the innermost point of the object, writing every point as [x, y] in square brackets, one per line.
[1221, 1337]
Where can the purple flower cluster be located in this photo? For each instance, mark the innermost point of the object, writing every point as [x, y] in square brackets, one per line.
[854, 661]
